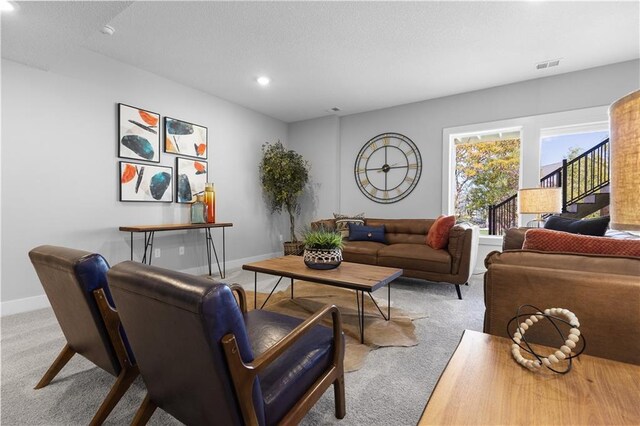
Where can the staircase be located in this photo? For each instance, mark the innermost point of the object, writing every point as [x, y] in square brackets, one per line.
[585, 189]
[588, 205]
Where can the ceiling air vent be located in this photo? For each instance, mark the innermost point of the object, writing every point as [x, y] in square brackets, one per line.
[548, 64]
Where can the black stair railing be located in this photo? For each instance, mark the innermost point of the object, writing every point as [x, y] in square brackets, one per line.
[584, 175]
[503, 215]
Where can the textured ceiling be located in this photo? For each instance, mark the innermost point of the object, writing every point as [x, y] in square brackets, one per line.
[358, 56]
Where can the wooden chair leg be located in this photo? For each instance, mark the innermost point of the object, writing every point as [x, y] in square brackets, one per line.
[124, 380]
[338, 392]
[145, 412]
[62, 360]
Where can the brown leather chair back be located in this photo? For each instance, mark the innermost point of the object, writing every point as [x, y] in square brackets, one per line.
[175, 323]
[69, 277]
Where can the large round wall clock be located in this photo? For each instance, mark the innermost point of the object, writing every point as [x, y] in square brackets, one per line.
[388, 168]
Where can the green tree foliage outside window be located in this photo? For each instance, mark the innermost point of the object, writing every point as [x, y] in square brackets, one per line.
[284, 175]
[486, 173]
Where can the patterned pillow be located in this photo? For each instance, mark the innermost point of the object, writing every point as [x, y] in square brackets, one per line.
[343, 221]
[438, 235]
[548, 240]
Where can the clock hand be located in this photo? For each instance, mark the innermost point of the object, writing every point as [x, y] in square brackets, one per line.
[383, 168]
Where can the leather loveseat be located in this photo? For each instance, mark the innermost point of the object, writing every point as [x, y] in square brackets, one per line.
[405, 247]
[602, 290]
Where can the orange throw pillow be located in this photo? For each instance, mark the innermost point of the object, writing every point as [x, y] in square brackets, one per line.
[438, 235]
[548, 240]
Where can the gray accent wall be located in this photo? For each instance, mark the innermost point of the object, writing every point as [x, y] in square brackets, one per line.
[59, 164]
[60, 168]
[424, 122]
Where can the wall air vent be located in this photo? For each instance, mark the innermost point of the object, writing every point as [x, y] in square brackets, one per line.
[548, 64]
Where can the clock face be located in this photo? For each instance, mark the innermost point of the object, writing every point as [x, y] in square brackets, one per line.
[388, 168]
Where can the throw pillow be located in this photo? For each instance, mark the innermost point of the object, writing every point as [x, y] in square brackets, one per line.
[596, 227]
[366, 233]
[343, 221]
[559, 241]
[438, 235]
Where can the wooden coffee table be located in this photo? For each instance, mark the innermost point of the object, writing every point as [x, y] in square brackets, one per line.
[483, 384]
[361, 278]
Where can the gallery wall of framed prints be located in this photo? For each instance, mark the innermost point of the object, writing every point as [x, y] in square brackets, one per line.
[141, 177]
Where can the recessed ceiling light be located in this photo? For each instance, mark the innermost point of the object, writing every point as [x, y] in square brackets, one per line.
[6, 6]
[263, 80]
[108, 30]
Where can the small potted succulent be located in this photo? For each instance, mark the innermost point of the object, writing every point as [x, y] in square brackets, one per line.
[322, 248]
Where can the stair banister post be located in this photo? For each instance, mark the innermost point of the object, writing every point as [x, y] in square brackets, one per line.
[564, 185]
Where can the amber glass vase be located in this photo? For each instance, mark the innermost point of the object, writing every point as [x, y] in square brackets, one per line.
[210, 201]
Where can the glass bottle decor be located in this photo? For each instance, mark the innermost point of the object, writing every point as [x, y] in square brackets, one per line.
[210, 201]
[198, 210]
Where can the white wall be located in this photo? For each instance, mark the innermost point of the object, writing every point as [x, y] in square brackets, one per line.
[424, 122]
[60, 177]
[318, 141]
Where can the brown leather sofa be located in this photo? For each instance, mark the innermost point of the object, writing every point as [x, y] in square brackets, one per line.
[406, 248]
[602, 290]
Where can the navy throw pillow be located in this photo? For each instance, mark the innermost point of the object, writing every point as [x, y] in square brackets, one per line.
[366, 233]
[596, 227]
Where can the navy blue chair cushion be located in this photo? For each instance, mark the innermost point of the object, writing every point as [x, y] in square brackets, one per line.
[91, 272]
[285, 381]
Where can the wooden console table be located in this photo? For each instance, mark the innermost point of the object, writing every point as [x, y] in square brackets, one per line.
[482, 384]
[150, 230]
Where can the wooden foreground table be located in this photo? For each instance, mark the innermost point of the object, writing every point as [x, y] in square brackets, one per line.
[483, 384]
[355, 276]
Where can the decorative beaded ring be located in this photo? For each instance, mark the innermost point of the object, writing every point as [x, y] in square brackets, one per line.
[526, 320]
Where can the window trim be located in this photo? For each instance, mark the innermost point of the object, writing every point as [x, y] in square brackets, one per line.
[531, 130]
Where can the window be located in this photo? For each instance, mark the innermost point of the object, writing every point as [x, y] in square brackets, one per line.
[555, 148]
[586, 152]
[531, 130]
[487, 171]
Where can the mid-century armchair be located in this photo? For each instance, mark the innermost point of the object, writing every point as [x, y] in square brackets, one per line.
[75, 283]
[206, 360]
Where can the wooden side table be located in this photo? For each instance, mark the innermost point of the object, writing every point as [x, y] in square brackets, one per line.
[483, 384]
[150, 230]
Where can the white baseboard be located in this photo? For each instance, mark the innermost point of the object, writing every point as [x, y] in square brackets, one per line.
[11, 307]
[231, 264]
[27, 304]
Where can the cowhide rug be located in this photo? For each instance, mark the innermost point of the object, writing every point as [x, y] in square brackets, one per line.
[309, 298]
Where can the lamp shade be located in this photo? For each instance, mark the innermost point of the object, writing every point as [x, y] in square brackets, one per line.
[624, 138]
[540, 200]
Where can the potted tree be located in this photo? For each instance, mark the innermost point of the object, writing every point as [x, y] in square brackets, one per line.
[322, 249]
[284, 175]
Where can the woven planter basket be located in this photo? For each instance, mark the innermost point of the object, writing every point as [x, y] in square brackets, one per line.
[322, 258]
[293, 248]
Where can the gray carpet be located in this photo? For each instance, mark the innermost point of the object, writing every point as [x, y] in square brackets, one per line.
[391, 389]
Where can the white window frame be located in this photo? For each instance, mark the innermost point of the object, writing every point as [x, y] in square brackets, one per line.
[532, 129]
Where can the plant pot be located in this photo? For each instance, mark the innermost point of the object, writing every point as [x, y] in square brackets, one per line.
[293, 248]
[322, 258]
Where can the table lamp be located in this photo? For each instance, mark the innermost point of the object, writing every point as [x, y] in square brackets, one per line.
[539, 201]
[624, 138]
